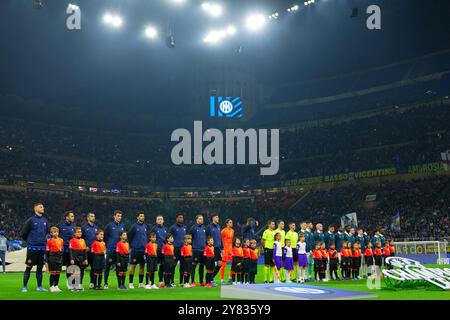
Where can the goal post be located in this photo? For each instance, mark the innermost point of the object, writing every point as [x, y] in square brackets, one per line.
[426, 252]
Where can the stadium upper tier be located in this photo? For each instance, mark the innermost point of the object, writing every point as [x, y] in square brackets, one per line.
[400, 84]
[395, 137]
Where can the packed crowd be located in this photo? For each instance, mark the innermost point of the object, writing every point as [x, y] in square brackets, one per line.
[423, 206]
[388, 139]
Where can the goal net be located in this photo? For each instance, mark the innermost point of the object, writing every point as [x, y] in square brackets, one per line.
[426, 252]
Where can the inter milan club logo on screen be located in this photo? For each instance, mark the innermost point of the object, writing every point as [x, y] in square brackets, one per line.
[226, 107]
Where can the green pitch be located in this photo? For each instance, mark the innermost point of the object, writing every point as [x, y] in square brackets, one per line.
[11, 284]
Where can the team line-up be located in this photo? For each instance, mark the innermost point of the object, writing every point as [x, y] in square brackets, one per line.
[300, 256]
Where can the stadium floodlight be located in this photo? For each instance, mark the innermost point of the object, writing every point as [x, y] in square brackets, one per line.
[213, 9]
[206, 6]
[212, 37]
[274, 16]
[255, 22]
[113, 20]
[231, 30]
[150, 32]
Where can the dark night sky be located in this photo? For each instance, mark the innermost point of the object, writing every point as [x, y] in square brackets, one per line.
[119, 70]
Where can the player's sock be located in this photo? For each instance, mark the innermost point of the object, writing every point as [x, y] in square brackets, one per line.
[186, 277]
[282, 278]
[222, 270]
[161, 272]
[152, 278]
[146, 278]
[26, 276]
[131, 278]
[181, 274]
[81, 275]
[106, 274]
[141, 278]
[119, 280]
[39, 276]
[194, 266]
[92, 276]
[271, 274]
[233, 277]
[51, 280]
[99, 280]
[167, 279]
[287, 274]
[216, 271]
[201, 272]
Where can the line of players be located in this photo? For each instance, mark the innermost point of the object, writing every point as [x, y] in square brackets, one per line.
[160, 250]
[315, 253]
[78, 247]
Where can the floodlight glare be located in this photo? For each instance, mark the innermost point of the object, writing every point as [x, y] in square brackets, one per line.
[150, 32]
[215, 10]
[107, 18]
[231, 30]
[255, 22]
[212, 37]
[206, 6]
[112, 20]
[117, 21]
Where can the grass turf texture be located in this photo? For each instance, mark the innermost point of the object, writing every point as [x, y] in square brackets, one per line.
[11, 284]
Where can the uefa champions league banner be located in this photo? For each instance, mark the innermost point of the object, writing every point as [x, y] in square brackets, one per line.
[349, 220]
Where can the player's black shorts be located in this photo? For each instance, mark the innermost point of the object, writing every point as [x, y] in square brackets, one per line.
[198, 257]
[334, 263]
[177, 254]
[123, 260]
[78, 257]
[356, 262]
[66, 258]
[54, 260]
[368, 260]
[253, 266]
[217, 254]
[210, 263]
[152, 264]
[295, 255]
[268, 257]
[110, 258]
[90, 258]
[245, 265]
[137, 258]
[236, 265]
[169, 264]
[98, 262]
[187, 264]
[378, 260]
[160, 259]
[318, 264]
[35, 257]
